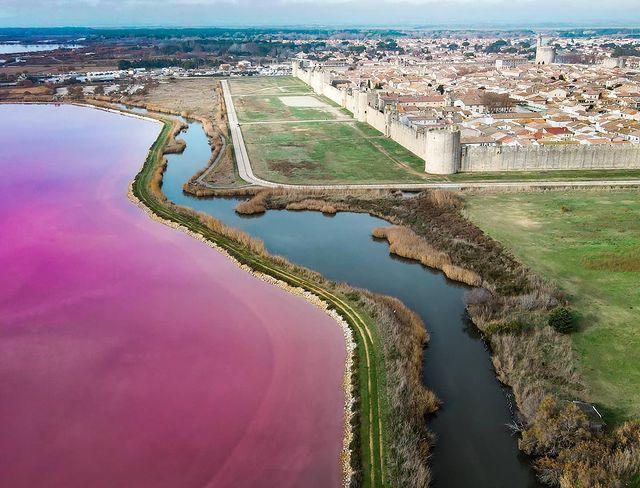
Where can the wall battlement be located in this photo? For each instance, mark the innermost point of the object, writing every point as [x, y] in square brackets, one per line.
[443, 152]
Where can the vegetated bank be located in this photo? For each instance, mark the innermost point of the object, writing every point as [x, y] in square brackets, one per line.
[517, 312]
[589, 243]
[390, 442]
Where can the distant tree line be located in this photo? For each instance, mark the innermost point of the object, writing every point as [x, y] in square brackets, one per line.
[192, 63]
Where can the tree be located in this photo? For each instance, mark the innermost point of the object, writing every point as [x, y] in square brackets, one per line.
[497, 102]
[496, 46]
[562, 320]
[440, 89]
[75, 91]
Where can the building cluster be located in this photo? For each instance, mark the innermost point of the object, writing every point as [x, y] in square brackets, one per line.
[132, 81]
[499, 99]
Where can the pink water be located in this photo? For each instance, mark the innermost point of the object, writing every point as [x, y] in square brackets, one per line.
[131, 354]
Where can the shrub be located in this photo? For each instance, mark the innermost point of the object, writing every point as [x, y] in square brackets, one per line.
[504, 328]
[562, 320]
[575, 456]
[477, 296]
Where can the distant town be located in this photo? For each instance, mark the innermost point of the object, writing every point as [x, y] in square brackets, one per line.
[511, 88]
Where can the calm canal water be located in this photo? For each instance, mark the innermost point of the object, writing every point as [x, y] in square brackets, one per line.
[474, 447]
[131, 354]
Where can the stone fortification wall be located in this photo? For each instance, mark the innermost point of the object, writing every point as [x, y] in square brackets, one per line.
[408, 138]
[356, 102]
[443, 151]
[536, 158]
[378, 121]
[444, 154]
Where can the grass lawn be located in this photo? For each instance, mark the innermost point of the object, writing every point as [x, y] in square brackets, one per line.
[272, 108]
[336, 151]
[325, 153]
[605, 174]
[266, 86]
[588, 243]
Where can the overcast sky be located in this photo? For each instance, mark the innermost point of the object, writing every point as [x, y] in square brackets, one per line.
[316, 12]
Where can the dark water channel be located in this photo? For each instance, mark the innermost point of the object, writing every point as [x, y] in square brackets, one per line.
[474, 447]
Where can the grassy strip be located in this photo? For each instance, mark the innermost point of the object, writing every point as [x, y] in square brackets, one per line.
[551, 175]
[369, 367]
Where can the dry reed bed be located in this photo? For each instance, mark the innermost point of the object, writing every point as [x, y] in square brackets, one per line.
[407, 244]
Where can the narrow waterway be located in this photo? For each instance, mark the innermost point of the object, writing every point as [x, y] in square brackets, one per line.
[474, 448]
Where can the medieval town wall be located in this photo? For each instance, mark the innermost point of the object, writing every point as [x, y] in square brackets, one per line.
[546, 158]
[444, 154]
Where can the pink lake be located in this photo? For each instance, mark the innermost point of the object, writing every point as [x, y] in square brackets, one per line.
[132, 355]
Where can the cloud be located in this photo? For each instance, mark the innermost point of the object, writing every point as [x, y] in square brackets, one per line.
[337, 12]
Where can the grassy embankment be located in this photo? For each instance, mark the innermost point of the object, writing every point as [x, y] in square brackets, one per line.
[588, 243]
[377, 422]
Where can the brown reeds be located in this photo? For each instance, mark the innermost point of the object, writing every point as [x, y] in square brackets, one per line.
[407, 244]
[571, 453]
[312, 204]
[176, 146]
[255, 205]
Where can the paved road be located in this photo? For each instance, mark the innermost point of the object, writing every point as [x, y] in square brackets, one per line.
[246, 172]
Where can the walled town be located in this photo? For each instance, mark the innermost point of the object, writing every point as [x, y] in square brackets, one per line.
[540, 109]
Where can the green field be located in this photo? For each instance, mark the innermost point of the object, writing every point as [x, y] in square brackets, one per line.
[265, 86]
[588, 243]
[556, 175]
[317, 145]
[327, 153]
[273, 109]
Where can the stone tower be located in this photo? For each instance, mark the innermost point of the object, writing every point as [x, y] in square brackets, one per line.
[443, 152]
[545, 54]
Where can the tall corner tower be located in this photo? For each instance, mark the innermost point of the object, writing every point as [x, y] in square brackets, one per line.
[545, 54]
[443, 151]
